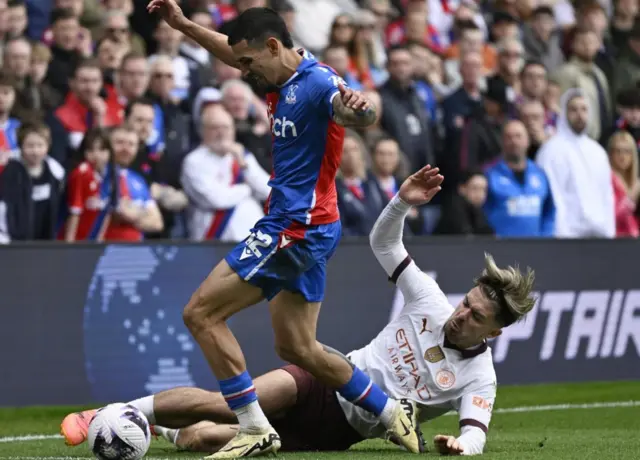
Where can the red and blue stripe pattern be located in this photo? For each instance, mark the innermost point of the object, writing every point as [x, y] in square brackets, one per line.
[238, 391]
[222, 217]
[362, 392]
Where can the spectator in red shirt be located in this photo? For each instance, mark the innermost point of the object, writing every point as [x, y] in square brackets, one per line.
[87, 105]
[92, 189]
[623, 155]
[136, 213]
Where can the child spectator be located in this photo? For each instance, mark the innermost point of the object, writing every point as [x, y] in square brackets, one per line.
[92, 190]
[31, 188]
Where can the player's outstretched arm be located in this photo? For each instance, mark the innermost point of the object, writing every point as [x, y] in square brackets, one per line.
[475, 415]
[351, 108]
[214, 42]
[386, 235]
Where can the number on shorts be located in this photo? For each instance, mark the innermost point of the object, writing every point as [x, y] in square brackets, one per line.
[258, 240]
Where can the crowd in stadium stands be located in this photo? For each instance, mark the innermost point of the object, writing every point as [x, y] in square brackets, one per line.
[116, 127]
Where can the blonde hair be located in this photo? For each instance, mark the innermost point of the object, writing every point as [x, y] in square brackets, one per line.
[630, 176]
[508, 288]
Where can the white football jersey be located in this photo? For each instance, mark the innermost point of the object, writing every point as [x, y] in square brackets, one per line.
[411, 358]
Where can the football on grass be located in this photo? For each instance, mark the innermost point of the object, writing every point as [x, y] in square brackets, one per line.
[119, 431]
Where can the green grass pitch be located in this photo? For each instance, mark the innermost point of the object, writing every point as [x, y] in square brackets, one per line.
[604, 426]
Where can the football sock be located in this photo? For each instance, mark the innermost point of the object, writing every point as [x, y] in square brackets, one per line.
[167, 433]
[387, 412]
[241, 397]
[362, 392]
[145, 405]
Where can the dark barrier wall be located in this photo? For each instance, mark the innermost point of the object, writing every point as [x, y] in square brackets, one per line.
[95, 323]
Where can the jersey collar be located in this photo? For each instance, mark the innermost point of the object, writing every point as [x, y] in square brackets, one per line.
[466, 353]
[307, 61]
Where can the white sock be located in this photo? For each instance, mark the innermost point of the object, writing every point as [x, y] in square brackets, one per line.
[251, 417]
[387, 412]
[145, 405]
[167, 433]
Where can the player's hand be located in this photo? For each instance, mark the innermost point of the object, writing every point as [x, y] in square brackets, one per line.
[169, 11]
[421, 187]
[447, 445]
[353, 99]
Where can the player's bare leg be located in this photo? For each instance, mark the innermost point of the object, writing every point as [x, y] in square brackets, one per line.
[218, 298]
[201, 437]
[182, 407]
[209, 437]
[294, 323]
[221, 295]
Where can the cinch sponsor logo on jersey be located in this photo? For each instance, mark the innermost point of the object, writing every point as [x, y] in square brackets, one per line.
[405, 368]
[603, 320]
[281, 127]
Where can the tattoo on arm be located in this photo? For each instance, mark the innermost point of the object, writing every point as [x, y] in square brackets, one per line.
[333, 351]
[345, 116]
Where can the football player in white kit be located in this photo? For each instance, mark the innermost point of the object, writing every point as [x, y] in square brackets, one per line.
[432, 357]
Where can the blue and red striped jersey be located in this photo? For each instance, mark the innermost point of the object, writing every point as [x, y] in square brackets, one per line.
[307, 145]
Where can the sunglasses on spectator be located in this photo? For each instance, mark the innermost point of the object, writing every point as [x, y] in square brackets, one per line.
[341, 25]
[162, 75]
[512, 54]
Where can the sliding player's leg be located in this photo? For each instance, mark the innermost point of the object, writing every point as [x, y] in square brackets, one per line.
[294, 322]
[182, 407]
[294, 316]
[200, 437]
[314, 422]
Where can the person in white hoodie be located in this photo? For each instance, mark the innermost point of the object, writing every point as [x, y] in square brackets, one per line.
[224, 182]
[579, 174]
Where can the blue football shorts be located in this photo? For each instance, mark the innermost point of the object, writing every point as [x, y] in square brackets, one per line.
[280, 254]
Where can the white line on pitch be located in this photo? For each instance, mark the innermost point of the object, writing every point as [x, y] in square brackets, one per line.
[72, 458]
[30, 437]
[551, 407]
[508, 410]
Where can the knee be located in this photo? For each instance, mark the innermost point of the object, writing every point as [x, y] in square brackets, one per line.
[302, 355]
[201, 312]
